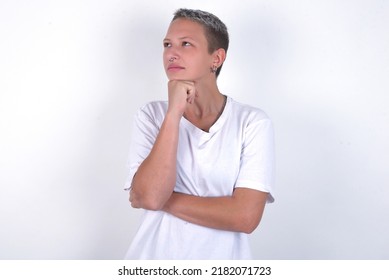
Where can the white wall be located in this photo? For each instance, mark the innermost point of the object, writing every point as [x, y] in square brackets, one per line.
[72, 74]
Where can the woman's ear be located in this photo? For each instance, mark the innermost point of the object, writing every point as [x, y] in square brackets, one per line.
[219, 56]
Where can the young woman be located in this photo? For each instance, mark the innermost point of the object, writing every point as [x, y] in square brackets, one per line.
[201, 164]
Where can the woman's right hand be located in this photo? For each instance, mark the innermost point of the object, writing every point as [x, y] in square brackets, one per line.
[181, 93]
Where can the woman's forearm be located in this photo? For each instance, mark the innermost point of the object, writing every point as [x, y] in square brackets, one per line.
[240, 212]
[155, 178]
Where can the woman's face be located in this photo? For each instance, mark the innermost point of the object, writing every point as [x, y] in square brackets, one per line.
[185, 55]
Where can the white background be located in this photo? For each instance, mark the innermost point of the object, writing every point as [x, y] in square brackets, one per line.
[72, 74]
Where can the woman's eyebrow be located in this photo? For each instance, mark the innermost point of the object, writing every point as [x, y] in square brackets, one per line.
[181, 38]
[186, 37]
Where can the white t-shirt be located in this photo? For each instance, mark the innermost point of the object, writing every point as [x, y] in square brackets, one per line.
[238, 151]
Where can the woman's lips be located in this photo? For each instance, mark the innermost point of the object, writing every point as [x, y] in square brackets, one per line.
[175, 67]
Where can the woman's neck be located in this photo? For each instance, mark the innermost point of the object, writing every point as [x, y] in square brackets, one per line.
[206, 108]
[209, 101]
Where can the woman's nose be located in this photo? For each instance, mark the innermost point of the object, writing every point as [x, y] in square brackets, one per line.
[172, 52]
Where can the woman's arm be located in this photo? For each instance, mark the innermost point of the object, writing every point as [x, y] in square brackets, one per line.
[240, 212]
[155, 178]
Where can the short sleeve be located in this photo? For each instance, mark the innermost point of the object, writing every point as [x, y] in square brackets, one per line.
[257, 161]
[144, 133]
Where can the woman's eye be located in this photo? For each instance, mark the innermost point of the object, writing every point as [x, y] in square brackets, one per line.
[186, 44]
[166, 45]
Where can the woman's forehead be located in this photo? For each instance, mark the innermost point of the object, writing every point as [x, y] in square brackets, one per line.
[182, 28]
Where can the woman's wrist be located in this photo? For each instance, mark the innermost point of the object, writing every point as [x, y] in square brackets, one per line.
[173, 116]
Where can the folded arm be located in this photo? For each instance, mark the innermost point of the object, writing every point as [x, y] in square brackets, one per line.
[155, 178]
[241, 212]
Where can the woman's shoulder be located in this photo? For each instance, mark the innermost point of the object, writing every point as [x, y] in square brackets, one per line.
[247, 111]
[153, 111]
[154, 108]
